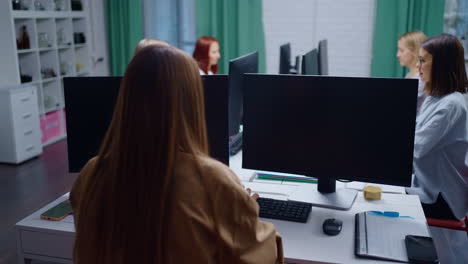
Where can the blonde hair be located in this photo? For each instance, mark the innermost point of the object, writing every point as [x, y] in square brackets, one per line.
[413, 40]
[149, 42]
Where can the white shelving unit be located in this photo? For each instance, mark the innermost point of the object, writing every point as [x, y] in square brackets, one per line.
[59, 46]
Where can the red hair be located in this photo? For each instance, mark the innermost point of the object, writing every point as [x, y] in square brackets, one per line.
[201, 53]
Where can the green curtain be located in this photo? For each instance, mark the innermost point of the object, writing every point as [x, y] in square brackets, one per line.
[125, 30]
[394, 18]
[238, 26]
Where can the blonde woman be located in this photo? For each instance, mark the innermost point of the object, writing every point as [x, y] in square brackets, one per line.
[147, 42]
[408, 48]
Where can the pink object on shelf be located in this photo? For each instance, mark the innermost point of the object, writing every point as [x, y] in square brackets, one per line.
[52, 125]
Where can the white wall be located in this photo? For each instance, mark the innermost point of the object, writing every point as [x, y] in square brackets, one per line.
[347, 24]
[98, 29]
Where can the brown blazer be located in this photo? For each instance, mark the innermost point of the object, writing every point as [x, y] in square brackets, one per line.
[213, 219]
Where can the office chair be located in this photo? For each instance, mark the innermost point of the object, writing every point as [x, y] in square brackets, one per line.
[461, 225]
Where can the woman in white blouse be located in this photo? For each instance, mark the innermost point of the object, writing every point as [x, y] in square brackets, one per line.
[408, 48]
[441, 141]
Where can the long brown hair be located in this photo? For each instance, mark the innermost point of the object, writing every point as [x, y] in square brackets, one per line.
[201, 53]
[159, 113]
[448, 73]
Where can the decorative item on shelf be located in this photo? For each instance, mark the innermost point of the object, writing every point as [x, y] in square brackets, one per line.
[79, 38]
[76, 5]
[23, 41]
[44, 40]
[16, 4]
[79, 67]
[24, 4]
[51, 102]
[49, 5]
[38, 6]
[25, 78]
[59, 5]
[64, 68]
[61, 37]
[48, 73]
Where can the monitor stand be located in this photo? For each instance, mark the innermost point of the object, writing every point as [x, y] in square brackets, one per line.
[235, 143]
[324, 194]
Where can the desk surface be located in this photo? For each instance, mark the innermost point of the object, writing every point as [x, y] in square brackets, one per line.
[306, 243]
[303, 243]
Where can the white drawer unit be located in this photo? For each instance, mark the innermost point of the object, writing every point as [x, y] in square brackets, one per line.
[20, 132]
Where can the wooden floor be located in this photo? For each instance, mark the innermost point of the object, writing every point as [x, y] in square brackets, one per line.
[28, 187]
[31, 185]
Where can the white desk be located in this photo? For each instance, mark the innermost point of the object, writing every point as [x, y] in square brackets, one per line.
[303, 243]
[45, 240]
[306, 243]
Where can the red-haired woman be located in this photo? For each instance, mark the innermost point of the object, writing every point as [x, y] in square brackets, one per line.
[206, 54]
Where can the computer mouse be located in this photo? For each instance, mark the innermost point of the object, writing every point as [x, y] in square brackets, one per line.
[332, 226]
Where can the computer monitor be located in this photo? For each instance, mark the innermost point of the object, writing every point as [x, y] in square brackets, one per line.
[285, 58]
[237, 67]
[323, 57]
[330, 128]
[90, 102]
[310, 63]
[89, 106]
[297, 66]
[216, 114]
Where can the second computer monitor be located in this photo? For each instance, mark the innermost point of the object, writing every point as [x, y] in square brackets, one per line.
[90, 105]
[237, 67]
[323, 57]
[285, 58]
[358, 129]
[310, 63]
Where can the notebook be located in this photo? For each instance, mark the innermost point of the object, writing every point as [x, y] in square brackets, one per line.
[383, 237]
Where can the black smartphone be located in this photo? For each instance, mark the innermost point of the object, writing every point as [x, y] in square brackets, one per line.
[421, 250]
[58, 212]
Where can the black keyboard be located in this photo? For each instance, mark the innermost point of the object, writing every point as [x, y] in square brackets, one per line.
[284, 210]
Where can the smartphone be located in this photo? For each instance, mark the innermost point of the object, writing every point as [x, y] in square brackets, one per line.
[58, 212]
[421, 249]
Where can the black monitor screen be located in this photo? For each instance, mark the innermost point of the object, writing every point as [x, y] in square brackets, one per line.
[90, 105]
[237, 67]
[216, 112]
[285, 58]
[330, 127]
[323, 57]
[310, 63]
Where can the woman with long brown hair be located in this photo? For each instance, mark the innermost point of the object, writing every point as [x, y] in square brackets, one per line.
[441, 142]
[152, 195]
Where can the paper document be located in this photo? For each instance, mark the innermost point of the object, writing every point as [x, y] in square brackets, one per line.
[281, 174]
[271, 190]
[383, 237]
